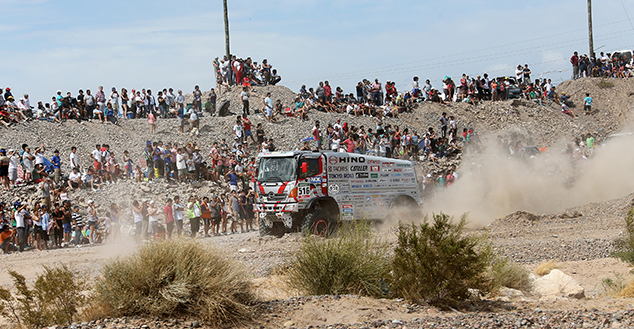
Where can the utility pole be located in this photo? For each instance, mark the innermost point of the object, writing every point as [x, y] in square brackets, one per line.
[224, 2]
[589, 29]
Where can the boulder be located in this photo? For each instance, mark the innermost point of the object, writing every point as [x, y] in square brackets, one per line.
[557, 283]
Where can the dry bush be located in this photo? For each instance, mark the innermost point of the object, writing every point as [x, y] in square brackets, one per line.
[628, 291]
[436, 263]
[508, 274]
[626, 244]
[53, 299]
[612, 287]
[604, 84]
[545, 268]
[353, 261]
[176, 278]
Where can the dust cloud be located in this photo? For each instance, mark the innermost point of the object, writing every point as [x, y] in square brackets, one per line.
[492, 185]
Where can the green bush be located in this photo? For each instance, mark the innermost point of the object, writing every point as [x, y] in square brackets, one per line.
[604, 84]
[435, 262]
[509, 274]
[53, 300]
[353, 261]
[175, 278]
[626, 245]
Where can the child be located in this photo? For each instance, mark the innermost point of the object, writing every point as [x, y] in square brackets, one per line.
[152, 120]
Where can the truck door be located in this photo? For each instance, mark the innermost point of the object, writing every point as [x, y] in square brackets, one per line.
[310, 177]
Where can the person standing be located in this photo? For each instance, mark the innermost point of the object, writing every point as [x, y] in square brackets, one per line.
[574, 60]
[114, 100]
[178, 215]
[587, 104]
[21, 215]
[197, 99]
[152, 212]
[57, 165]
[205, 216]
[4, 169]
[443, 124]
[268, 107]
[92, 220]
[193, 213]
[317, 136]
[245, 101]
[169, 217]
[138, 220]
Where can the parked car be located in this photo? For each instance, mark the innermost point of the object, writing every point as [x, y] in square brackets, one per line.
[515, 91]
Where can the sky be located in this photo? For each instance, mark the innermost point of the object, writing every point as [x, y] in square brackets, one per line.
[71, 45]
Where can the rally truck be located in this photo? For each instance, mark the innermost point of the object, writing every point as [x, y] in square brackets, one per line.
[312, 192]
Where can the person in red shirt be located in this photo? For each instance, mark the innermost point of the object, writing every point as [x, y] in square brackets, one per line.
[328, 91]
[246, 125]
[574, 60]
[317, 136]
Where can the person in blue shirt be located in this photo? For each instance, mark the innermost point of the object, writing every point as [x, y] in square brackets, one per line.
[167, 158]
[57, 163]
[587, 102]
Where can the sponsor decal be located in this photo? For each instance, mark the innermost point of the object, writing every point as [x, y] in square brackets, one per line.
[357, 186]
[374, 175]
[388, 164]
[403, 165]
[396, 180]
[351, 159]
[375, 168]
[396, 175]
[408, 170]
[347, 210]
[315, 180]
[333, 160]
[385, 175]
[408, 174]
[333, 189]
[347, 206]
[358, 168]
[368, 185]
[337, 168]
[374, 161]
[357, 181]
[362, 175]
[370, 180]
[398, 170]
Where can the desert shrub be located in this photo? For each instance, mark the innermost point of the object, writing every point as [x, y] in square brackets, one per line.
[612, 286]
[604, 84]
[435, 262]
[53, 299]
[627, 291]
[626, 244]
[545, 268]
[353, 261]
[509, 274]
[175, 278]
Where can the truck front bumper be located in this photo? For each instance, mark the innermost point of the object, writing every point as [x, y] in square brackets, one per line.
[275, 207]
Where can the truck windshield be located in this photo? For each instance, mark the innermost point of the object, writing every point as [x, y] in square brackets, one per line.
[277, 169]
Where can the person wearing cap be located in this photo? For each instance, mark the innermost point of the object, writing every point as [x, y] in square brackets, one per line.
[41, 221]
[7, 93]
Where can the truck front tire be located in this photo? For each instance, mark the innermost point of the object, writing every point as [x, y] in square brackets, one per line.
[320, 222]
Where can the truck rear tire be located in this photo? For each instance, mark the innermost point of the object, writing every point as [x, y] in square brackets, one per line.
[406, 209]
[320, 222]
[277, 230]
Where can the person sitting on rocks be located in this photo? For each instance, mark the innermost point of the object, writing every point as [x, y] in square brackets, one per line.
[566, 110]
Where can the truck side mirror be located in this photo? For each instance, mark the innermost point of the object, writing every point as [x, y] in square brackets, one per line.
[304, 167]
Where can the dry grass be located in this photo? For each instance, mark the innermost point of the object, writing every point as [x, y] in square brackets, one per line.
[511, 275]
[628, 291]
[545, 268]
[177, 278]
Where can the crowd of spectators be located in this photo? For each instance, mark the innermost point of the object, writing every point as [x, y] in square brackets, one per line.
[607, 65]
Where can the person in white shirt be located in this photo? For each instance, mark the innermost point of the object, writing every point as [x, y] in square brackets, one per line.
[96, 157]
[74, 179]
[152, 212]
[74, 160]
[14, 161]
[181, 165]
[178, 214]
[114, 100]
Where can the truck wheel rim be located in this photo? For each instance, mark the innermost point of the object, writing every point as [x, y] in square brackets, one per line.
[321, 227]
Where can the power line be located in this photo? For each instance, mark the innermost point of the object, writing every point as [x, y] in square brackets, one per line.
[627, 15]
